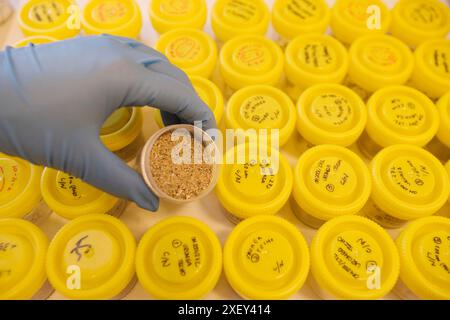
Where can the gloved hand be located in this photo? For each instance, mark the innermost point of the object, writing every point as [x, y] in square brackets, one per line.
[54, 99]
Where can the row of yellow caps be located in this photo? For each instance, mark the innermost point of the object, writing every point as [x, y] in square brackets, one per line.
[351, 257]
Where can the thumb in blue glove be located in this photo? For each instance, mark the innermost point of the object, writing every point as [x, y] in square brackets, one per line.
[54, 99]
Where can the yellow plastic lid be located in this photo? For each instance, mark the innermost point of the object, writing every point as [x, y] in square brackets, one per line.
[259, 183]
[377, 61]
[315, 58]
[23, 247]
[331, 114]
[331, 181]
[345, 252]
[192, 50]
[443, 107]
[266, 257]
[210, 95]
[179, 258]
[231, 18]
[401, 115]
[261, 107]
[432, 73]
[122, 128]
[34, 40]
[70, 197]
[100, 249]
[424, 248]
[416, 21]
[19, 187]
[46, 18]
[293, 17]
[116, 17]
[408, 182]
[247, 60]
[350, 18]
[167, 15]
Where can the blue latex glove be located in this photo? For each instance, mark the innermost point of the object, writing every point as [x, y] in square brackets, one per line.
[54, 99]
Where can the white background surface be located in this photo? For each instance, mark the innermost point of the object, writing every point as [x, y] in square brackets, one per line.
[209, 209]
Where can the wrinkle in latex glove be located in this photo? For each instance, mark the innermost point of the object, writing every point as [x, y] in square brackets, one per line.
[54, 99]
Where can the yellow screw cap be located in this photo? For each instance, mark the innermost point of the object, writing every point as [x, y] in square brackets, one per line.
[315, 58]
[34, 40]
[192, 50]
[424, 248]
[254, 182]
[100, 250]
[377, 61]
[179, 258]
[122, 128]
[46, 18]
[247, 60]
[19, 187]
[23, 248]
[293, 17]
[230, 18]
[262, 107]
[408, 182]
[266, 257]
[443, 133]
[346, 251]
[210, 95]
[432, 73]
[116, 17]
[331, 114]
[416, 21]
[70, 197]
[350, 19]
[401, 115]
[331, 181]
[167, 15]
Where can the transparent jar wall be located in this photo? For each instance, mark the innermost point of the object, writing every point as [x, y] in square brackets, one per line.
[367, 146]
[440, 150]
[373, 212]
[403, 292]
[39, 214]
[129, 153]
[45, 292]
[232, 218]
[118, 209]
[127, 289]
[229, 91]
[304, 217]
[321, 293]
[364, 94]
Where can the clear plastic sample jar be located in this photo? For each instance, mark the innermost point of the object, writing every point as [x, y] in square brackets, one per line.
[20, 193]
[398, 115]
[261, 107]
[312, 59]
[231, 18]
[179, 258]
[122, 133]
[431, 73]
[209, 93]
[249, 60]
[377, 61]
[167, 15]
[416, 21]
[253, 182]
[353, 258]
[266, 257]
[440, 145]
[34, 40]
[424, 248]
[329, 181]
[70, 198]
[23, 248]
[192, 50]
[47, 18]
[350, 19]
[92, 258]
[408, 183]
[330, 114]
[291, 18]
[116, 17]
